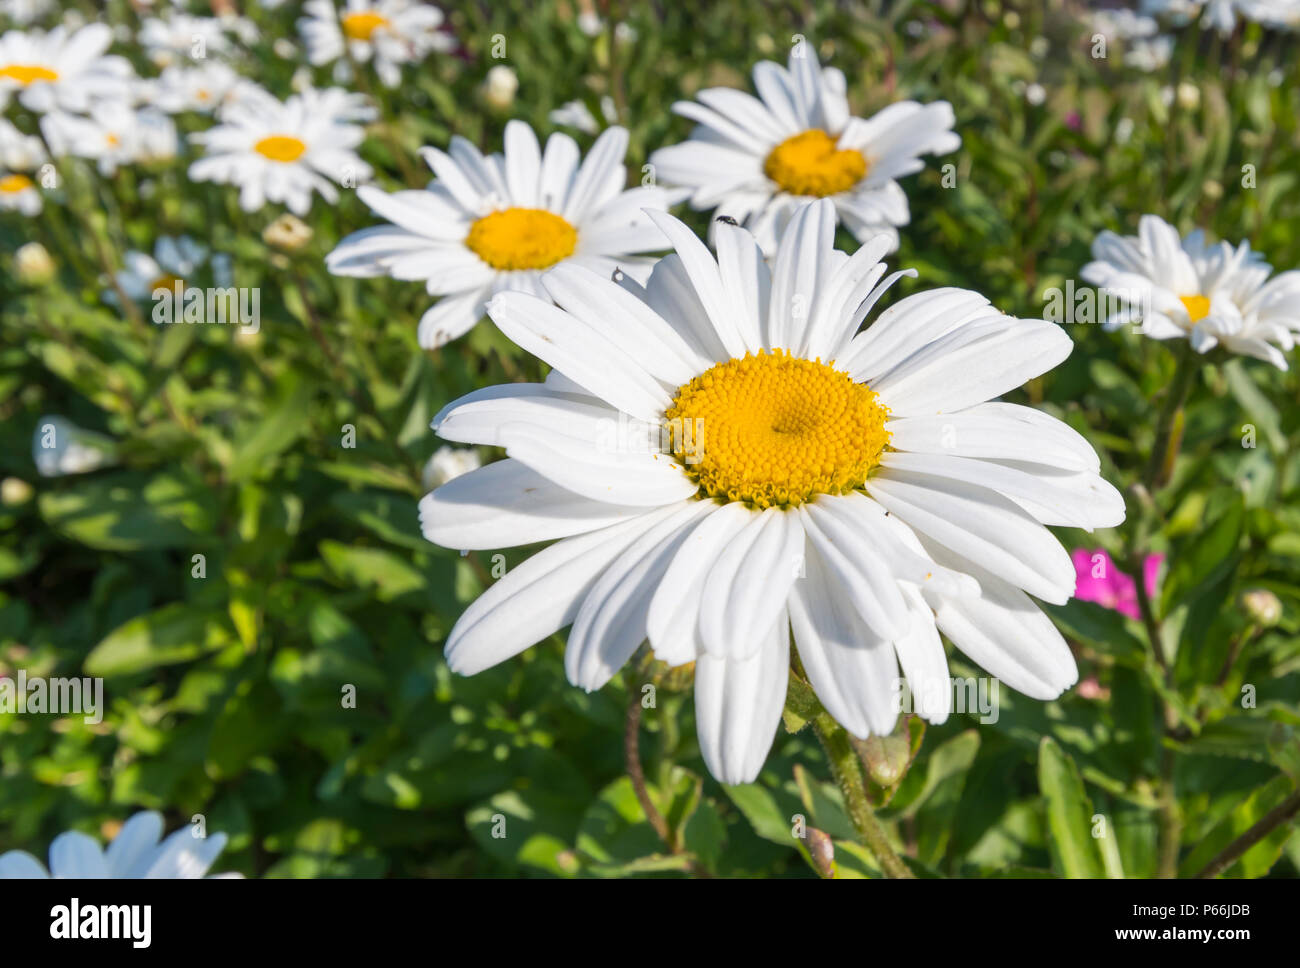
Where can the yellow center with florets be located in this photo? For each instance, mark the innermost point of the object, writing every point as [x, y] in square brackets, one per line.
[1198, 307]
[26, 74]
[360, 25]
[810, 164]
[283, 148]
[776, 430]
[13, 184]
[522, 238]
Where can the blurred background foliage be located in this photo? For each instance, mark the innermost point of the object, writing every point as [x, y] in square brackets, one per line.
[224, 692]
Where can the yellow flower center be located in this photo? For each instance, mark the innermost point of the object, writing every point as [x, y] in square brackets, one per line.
[522, 238]
[810, 164]
[26, 74]
[13, 184]
[360, 25]
[281, 147]
[1198, 307]
[774, 429]
[166, 281]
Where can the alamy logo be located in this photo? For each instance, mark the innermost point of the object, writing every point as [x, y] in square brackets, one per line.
[57, 696]
[133, 922]
[221, 305]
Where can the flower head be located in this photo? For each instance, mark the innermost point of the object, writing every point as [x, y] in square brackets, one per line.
[1212, 295]
[488, 224]
[726, 460]
[55, 70]
[758, 159]
[389, 32]
[1099, 580]
[283, 151]
[134, 853]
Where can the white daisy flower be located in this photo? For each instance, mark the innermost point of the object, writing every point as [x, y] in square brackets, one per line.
[204, 87]
[174, 259]
[180, 38]
[19, 193]
[757, 160]
[115, 135]
[18, 151]
[1222, 14]
[391, 32]
[23, 12]
[576, 114]
[60, 447]
[449, 463]
[49, 71]
[281, 152]
[1212, 295]
[134, 853]
[716, 485]
[489, 224]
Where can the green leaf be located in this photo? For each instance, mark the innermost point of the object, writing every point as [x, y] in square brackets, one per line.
[1206, 559]
[1256, 861]
[132, 512]
[174, 633]
[1069, 813]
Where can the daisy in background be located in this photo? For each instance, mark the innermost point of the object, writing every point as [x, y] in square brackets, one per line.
[575, 114]
[1212, 295]
[114, 135]
[203, 87]
[179, 38]
[490, 224]
[282, 151]
[55, 70]
[23, 12]
[716, 486]
[18, 193]
[758, 159]
[389, 32]
[1222, 14]
[135, 852]
[174, 259]
[20, 156]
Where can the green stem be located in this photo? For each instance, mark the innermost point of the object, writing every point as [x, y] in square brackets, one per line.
[1169, 431]
[1279, 815]
[848, 774]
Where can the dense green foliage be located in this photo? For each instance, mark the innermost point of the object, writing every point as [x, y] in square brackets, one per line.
[224, 692]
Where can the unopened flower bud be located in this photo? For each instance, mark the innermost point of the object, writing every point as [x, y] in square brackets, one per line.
[33, 265]
[499, 87]
[287, 232]
[1262, 606]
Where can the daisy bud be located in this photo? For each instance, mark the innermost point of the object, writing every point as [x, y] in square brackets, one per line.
[287, 232]
[33, 265]
[822, 851]
[448, 463]
[1262, 606]
[61, 447]
[14, 491]
[499, 87]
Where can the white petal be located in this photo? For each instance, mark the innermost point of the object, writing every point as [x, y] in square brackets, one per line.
[539, 596]
[75, 855]
[864, 575]
[20, 865]
[506, 504]
[747, 584]
[611, 624]
[802, 268]
[673, 623]
[580, 353]
[606, 474]
[738, 704]
[996, 430]
[958, 371]
[132, 849]
[854, 674]
[981, 526]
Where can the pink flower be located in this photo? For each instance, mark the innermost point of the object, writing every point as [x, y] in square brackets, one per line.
[1098, 580]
